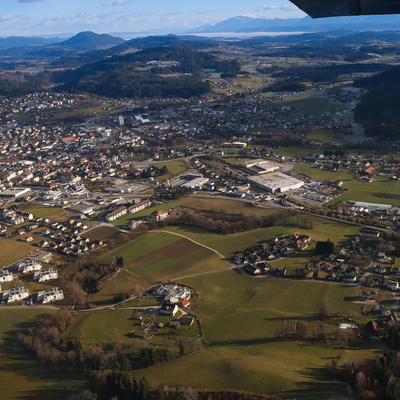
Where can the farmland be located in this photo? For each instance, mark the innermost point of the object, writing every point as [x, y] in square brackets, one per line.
[229, 244]
[239, 315]
[12, 250]
[162, 256]
[228, 206]
[44, 211]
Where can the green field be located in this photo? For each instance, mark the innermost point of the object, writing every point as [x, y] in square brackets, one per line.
[239, 315]
[162, 256]
[12, 250]
[311, 103]
[143, 213]
[22, 376]
[228, 245]
[354, 190]
[229, 206]
[44, 211]
[174, 167]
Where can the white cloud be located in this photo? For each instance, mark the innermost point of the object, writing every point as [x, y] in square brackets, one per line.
[32, 1]
[263, 8]
[120, 2]
[249, 15]
[291, 7]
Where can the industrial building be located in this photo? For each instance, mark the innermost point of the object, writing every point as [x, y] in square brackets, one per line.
[259, 166]
[14, 193]
[276, 182]
[195, 183]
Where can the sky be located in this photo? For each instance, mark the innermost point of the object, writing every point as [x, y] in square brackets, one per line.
[45, 17]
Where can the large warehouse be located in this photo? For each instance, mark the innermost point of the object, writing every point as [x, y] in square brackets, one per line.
[259, 166]
[276, 182]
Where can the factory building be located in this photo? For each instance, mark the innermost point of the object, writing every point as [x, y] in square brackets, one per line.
[276, 182]
[259, 166]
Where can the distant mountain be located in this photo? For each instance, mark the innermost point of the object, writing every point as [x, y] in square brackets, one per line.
[85, 41]
[187, 42]
[22, 41]
[306, 24]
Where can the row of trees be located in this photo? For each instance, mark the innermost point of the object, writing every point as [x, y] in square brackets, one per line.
[378, 379]
[228, 223]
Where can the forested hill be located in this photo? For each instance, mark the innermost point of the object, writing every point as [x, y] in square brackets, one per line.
[133, 44]
[131, 75]
[379, 108]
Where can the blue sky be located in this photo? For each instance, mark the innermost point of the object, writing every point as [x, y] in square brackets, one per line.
[38, 17]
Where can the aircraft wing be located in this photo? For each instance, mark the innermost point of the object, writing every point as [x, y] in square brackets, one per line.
[336, 8]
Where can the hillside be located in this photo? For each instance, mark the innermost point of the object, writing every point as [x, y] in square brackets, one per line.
[131, 75]
[379, 108]
[85, 41]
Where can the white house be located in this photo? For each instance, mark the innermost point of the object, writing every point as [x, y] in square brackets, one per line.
[45, 275]
[50, 295]
[29, 266]
[393, 285]
[6, 276]
[15, 294]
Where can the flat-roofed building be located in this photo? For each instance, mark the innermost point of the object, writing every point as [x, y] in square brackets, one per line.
[15, 294]
[50, 295]
[45, 275]
[6, 276]
[276, 182]
[29, 266]
[195, 183]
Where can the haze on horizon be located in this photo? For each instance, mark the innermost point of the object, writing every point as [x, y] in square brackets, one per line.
[48, 17]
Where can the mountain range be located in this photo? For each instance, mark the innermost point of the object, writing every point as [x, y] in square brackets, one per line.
[306, 24]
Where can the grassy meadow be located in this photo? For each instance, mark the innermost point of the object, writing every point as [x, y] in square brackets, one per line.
[162, 256]
[12, 250]
[22, 376]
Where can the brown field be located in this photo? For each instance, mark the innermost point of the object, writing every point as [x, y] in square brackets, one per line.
[103, 233]
[169, 260]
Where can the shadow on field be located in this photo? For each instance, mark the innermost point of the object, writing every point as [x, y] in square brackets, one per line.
[50, 384]
[318, 387]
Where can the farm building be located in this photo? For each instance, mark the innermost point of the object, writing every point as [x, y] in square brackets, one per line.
[168, 309]
[276, 182]
[50, 295]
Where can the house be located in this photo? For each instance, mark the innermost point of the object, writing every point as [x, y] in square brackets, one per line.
[382, 257]
[45, 275]
[15, 294]
[6, 276]
[349, 278]
[175, 324]
[29, 266]
[27, 239]
[50, 295]
[140, 334]
[393, 285]
[379, 269]
[168, 309]
[185, 303]
[158, 215]
[187, 320]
